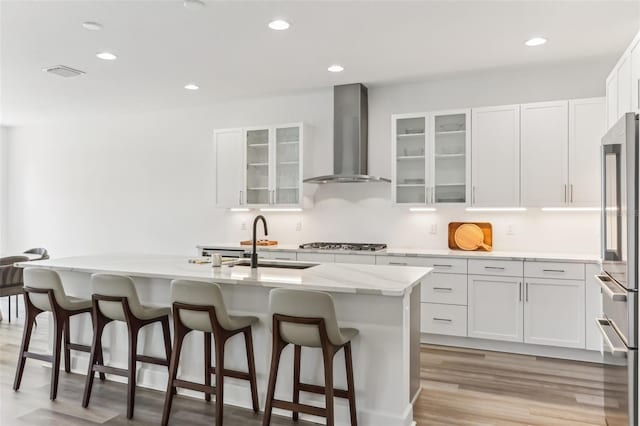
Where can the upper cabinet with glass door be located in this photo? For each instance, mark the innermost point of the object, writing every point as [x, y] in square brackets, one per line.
[450, 149]
[410, 147]
[287, 188]
[258, 176]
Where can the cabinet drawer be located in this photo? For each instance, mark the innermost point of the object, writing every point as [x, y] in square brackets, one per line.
[277, 255]
[450, 289]
[439, 264]
[510, 268]
[568, 271]
[363, 259]
[317, 257]
[443, 319]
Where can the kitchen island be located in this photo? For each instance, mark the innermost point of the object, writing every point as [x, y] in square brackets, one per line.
[382, 302]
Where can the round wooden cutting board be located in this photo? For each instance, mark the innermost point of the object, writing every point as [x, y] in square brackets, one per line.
[470, 237]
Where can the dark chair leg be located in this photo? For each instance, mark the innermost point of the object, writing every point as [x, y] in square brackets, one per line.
[24, 347]
[219, 380]
[273, 376]
[328, 383]
[251, 363]
[207, 363]
[166, 334]
[179, 334]
[94, 358]
[350, 384]
[131, 391]
[9, 303]
[17, 307]
[297, 354]
[67, 351]
[58, 324]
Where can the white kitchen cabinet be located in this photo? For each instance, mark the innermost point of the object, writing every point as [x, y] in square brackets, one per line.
[410, 147]
[624, 86]
[316, 257]
[229, 161]
[495, 147]
[593, 308]
[274, 159]
[495, 308]
[360, 259]
[448, 289]
[450, 320]
[611, 86]
[587, 125]
[544, 149]
[554, 312]
[635, 77]
[277, 255]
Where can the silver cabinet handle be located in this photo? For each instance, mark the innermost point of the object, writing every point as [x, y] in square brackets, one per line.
[473, 195]
[442, 289]
[498, 268]
[571, 193]
[609, 335]
[520, 291]
[427, 194]
[560, 271]
[435, 265]
[611, 289]
[442, 319]
[526, 292]
[565, 192]
[281, 258]
[398, 263]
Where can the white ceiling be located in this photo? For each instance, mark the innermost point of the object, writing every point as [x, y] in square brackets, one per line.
[228, 50]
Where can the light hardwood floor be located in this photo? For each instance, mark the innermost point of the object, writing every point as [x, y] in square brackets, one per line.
[460, 387]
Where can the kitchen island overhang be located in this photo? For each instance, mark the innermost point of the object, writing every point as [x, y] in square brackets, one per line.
[382, 302]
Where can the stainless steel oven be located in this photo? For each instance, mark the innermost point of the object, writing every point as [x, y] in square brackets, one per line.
[619, 277]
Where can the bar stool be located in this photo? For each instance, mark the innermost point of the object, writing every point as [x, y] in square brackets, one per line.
[115, 299]
[200, 306]
[43, 292]
[308, 318]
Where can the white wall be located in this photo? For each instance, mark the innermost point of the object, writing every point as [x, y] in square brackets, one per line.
[145, 183]
[4, 133]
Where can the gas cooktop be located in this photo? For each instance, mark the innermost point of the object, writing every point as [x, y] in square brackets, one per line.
[344, 246]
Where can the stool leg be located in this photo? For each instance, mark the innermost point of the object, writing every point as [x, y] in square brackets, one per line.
[207, 363]
[173, 371]
[167, 337]
[95, 357]
[297, 353]
[328, 383]
[67, 351]
[251, 363]
[58, 324]
[131, 386]
[278, 346]
[219, 380]
[350, 385]
[26, 339]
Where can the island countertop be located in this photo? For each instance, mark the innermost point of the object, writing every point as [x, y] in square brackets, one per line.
[332, 277]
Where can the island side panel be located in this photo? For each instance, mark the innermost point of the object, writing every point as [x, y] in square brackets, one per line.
[414, 344]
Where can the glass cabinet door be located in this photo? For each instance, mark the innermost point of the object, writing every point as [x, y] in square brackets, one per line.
[411, 171]
[257, 177]
[450, 158]
[287, 165]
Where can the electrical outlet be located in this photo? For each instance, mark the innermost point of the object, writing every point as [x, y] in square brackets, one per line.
[510, 230]
[433, 229]
[299, 226]
[243, 226]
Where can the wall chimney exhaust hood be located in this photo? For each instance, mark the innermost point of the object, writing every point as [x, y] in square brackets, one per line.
[350, 137]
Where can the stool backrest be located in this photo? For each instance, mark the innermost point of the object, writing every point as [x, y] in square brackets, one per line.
[116, 286]
[202, 294]
[305, 304]
[45, 279]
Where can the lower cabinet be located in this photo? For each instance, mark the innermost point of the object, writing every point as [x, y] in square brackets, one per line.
[554, 312]
[495, 308]
[437, 318]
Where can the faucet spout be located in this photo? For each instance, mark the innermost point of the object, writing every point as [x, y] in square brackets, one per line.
[254, 252]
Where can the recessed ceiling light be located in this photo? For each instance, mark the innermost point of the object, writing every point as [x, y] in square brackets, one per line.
[107, 56]
[279, 25]
[191, 86]
[193, 4]
[335, 68]
[93, 26]
[535, 41]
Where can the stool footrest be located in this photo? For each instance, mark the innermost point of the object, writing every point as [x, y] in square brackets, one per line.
[198, 387]
[40, 357]
[110, 370]
[305, 387]
[79, 347]
[232, 373]
[302, 408]
[152, 360]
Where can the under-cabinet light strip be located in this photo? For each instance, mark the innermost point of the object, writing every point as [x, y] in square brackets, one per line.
[571, 209]
[422, 209]
[496, 209]
[275, 209]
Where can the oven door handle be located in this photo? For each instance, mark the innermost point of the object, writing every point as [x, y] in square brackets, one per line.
[611, 289]
[609, 335]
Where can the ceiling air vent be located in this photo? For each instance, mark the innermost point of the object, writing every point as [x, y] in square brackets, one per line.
[63, 71]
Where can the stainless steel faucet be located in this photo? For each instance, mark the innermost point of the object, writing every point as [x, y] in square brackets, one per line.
[254, 253]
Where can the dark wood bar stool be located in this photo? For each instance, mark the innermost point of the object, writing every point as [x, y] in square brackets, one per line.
[200, 306]
[115, 299]
[43, 292]
[308, 318]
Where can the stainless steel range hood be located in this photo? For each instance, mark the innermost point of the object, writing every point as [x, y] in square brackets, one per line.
[350, 137]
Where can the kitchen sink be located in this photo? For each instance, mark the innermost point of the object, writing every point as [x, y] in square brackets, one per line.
[274, 264]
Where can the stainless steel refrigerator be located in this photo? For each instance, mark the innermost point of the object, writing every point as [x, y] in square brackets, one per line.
[619, 277]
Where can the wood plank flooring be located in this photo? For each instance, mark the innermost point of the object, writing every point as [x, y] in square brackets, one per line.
[460, 387]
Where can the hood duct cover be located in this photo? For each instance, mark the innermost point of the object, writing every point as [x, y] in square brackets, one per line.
[350, 137]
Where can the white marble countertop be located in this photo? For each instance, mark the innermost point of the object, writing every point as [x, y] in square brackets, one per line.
[509, 255]
[332, 277]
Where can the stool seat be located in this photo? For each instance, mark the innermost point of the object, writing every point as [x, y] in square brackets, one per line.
[77, 304]
[152, 312]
